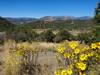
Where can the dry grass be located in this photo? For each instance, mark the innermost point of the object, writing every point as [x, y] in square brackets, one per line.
[45, 60]
[73, 32]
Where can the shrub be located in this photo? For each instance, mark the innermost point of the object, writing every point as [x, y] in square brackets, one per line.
[97, 33]
[76, 58]
[22, 35]
[61, 36]
[86, 37]
[21, 60]
[46, 36]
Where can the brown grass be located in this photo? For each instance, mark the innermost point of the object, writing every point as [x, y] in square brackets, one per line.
[45, 60]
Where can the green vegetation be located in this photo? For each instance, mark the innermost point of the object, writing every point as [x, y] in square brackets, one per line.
[87, 37]
[97, 22]
[26, 32]
[97, 14]
[5, 25]
[62, 35]
[97, 33]
[21, 34]
[46, 36]
[68, 24]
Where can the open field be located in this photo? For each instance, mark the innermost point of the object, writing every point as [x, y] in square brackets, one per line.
[73, 32]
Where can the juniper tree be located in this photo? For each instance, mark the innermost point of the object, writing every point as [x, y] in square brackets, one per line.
[97, 14]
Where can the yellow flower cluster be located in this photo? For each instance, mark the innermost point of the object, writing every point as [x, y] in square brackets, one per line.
[64, 72]
[61, 49]
[69, 72]
[95, 45]
[73, 44]
[76, 55]
[81, 66]
[83, 57]
[67, 55]
[76, 51]
[57, 72]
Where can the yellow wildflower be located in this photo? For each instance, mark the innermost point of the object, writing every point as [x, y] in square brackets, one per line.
[69, 71]
[64, 72]
[81, 66]
[67, 55]
[61, 49]
[73, 44]
[93, 46]
[57, 72]
[83, 57]
[76, 51]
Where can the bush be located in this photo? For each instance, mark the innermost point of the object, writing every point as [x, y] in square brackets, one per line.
[97, 33]
[22, 34]
[62, 35]
[46, 36]
[75, 58]
[86, 37]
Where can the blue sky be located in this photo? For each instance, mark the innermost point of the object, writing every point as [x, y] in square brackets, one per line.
[40, 8]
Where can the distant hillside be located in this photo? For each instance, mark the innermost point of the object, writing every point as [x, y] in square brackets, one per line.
[53, 22]
[5, 24]
[69, 24]
[20, 20]
[54, 18]
[45, 18]
[84, 18]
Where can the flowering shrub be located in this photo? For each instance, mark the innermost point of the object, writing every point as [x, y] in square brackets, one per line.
[76, 58]
[21, 59]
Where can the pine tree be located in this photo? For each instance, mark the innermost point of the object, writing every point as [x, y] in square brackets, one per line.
[97, 14]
